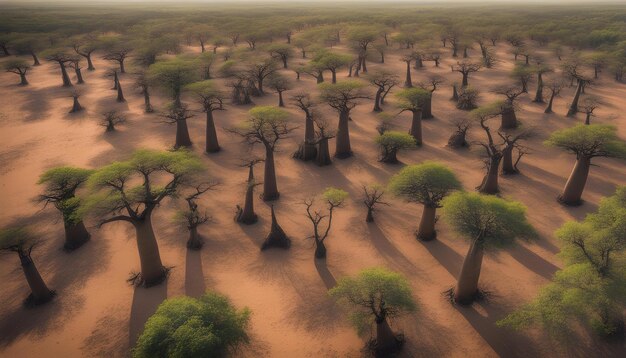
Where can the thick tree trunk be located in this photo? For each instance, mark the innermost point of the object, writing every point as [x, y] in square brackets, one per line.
[549, 107]
[247, 215]
[426, 230]
[212, 145]
[146, 101]
[40, 293]
[509, 119]
[416, 127]
[23, 81]
[573, 108]
[457, 139]
[320, 77]
[377, 107]
[270, 188]
[539, 93]
[90, 66]
[386, 343]
[79, 76]
[508, 166]
[35, 59]
[370, 215]
[343, 149]
[575, 185]
[76, 107]
[588, 119]
[122, 69]
[152, 270]
[281, 103]
[427, 110]
[322, 157]
[276, 236]
[182, 134]
[467, 284]
[408, 83]
[76, 234]
[490, 181]
[389, 155]
[320, 249]
[64, 75]
[194, 242]
[334, 76]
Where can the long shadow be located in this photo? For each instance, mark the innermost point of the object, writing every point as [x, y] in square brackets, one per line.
[194, 274]
[325, 274]
[387, 249]
[447, 257]
[533, 262]
[66, 273]
[504, 342]
[145, 303]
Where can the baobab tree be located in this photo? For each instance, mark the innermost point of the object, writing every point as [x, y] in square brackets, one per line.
[260, 70]
[362, 37]
[211, 99]
[120, 93]
[408, 58]
[413, 100]
[112, 200]
[321, 219]
[61, 58]
[60, 187]
[306, 150]
[507, 112]
[277, 236]
[376, 295]
[523, 74]
[192, 218]
[372, 197]
[555, 88]
[246, 214]
[493, 151]
[110, 119]
[332, 62]
[583, 292]
[282, 52]
[211, 315]
[540, 70]
[173, 75]
[279, 84]
[573, 69]
[391, 142]
[467, 97]
[458, 139]
[29, 45]
[587, 142]
[343, 97]
[488, 222]
[76, 106]
[142, 82]
[431, 85]
[384, 82]
[266, 125]
[118, 55]
[427, 183]
[179, 116]
[19, 67]
[466, 67]
[85, 47]
[322, 135]
[75, 65]
[22, 242]
[588, 106]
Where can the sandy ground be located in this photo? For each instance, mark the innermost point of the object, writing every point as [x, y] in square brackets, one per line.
[96, 313]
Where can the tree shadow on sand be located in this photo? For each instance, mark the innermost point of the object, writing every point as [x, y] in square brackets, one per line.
[145, 303]
[533, 262]
[388, 250]
[194, 274]
[66, 273]
[445, 255]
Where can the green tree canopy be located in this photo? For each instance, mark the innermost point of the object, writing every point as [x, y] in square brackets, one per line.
[186, 327]
[427, 183]
[595, 140]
